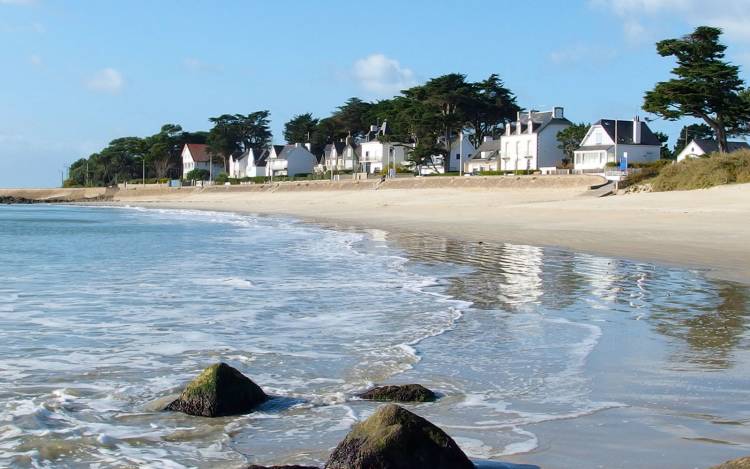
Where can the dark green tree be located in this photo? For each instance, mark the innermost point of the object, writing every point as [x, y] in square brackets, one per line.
[664, 153]
[491, 107]
[198, 175]
[705, 85]
[300, 128]
[570, 138]
[235, 133]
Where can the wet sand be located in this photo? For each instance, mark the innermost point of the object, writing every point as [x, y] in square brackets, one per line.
[702, 229]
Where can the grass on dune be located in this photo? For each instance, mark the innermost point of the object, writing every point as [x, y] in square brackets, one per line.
[701, 173]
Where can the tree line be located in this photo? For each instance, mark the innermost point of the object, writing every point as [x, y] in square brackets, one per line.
[704, 86]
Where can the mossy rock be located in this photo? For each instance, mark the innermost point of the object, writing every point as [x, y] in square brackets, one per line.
[219, 391]
[741, 463]
[394, 438]
[399, 393]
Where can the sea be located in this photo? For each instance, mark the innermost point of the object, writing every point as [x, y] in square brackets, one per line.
[541, 357]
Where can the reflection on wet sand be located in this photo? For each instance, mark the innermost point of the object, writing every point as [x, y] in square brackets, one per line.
[709, 318]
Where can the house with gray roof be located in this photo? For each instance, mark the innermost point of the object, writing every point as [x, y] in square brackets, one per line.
[487, 156]
[700, 147]
[612, 141]
[290, 160]
[250, 163]
[530, 142]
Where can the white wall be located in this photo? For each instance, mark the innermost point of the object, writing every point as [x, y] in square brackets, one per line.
[374, 155]
[548, 151]
[636, 154]
[465, 148]
[690, 151]
[517, 147]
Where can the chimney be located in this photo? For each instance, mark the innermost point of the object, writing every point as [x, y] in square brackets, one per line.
[558, 113]
[530, 128]
[518, 123]
[308, 145]
[374, 128]
[636, 130]
[487, 138]
[297, 145]
[507, 128]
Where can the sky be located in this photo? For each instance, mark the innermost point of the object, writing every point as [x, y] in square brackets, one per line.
[77, 74]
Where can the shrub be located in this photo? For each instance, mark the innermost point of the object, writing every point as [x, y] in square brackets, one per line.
[701, 173]
[221, 178]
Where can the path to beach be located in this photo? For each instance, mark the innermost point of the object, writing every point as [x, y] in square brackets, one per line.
[707, 229]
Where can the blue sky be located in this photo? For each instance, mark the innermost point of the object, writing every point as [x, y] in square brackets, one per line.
[77, 74]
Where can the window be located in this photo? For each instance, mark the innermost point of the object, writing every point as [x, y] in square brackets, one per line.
[458, 156]
[598, 138]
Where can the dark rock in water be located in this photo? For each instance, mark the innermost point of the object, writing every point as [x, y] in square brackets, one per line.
[254, 466]
[9, 199]
[401, 393]
[219, 391]
[394, 438]
[741, 463]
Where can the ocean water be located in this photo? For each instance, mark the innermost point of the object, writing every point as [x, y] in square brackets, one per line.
[541, 356]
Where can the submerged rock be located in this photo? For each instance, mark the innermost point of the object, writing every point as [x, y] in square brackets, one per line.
[218, 391]
[394, 438]
[741, 463]
[400, 393]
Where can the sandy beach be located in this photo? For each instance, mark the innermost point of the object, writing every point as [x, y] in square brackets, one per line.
[702, 229]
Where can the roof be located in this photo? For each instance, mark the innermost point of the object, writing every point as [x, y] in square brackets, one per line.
[711, 146]
[539, 120]
[261, 157]
[625, 132]
[198, 151]
[488, 150]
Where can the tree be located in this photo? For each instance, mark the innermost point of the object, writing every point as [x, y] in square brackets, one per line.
[235, 133]
[690, 132]
[706, 86]
[492, 106]
[570, 139]
[352, 118]
[300, 128]
[665, 153]
[198, 175]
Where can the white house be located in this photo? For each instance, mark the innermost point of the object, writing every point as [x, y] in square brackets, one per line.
[375, 156]
[251, 163]
[461, 151]
[634, 139]
[700, 147]
[290, 160]
[486, 157]
[195, 156]
[530, 143]
[341, 156]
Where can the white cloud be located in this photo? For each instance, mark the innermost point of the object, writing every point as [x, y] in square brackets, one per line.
[382, 75]
[197, 65]
[107, 80]
[642, 17]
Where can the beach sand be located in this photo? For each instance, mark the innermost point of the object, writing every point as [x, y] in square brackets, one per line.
[702, 229]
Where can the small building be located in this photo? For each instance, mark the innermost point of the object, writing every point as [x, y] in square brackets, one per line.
[290, 160]
[461, 151]
[375, 155]
[341, 156]
[250, 163]
[196, 156]
[487, 156]
[699, 147]
[634, 141]
[530, 142]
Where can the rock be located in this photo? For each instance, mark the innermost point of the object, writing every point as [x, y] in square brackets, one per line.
[219, 391]
[741, 463]
[401, 393]
[293, 466]
[394, 438]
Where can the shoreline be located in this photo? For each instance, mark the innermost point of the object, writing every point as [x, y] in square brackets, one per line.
[704, 230]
